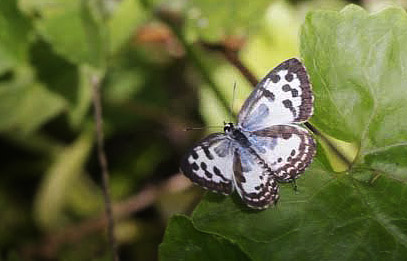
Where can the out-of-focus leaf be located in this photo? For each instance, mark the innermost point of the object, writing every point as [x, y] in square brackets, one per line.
[206, 19]
[125, 18]
[74, 28]
[122, 85]
[80, 108]
[357, 65]
[183, 242]
[277, 41]
[12, 219]
[59, 179]
[26, 105]
[85, 197]
[15, 32]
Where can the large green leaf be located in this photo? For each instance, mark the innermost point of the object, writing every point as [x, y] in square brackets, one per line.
[357, 66]
[184, 242]
[360, 80]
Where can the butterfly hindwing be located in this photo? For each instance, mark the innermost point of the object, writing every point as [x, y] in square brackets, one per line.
[287, 149]
[253, 180]
[209, 163]
[284, 96]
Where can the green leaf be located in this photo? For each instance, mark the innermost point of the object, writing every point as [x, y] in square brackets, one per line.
[357, 66]
[15, 33]
[206, 19]
[26, 105]
[57, 184]
[183, 242]
[80, 107]
[126, 16]
[74, 28]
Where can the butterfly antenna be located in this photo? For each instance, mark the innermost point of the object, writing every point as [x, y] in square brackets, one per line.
[233, 101]
[201, 128]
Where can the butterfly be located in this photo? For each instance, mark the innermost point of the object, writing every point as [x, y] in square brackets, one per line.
[265, 147]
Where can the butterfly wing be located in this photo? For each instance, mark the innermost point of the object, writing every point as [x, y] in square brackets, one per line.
[209, 163]
[257, 188]
[287, 149]
[284, 96]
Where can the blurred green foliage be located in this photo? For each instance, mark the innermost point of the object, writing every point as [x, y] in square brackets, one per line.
[158, 78]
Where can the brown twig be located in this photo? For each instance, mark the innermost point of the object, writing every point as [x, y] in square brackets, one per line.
[95, 82]
[50, 245]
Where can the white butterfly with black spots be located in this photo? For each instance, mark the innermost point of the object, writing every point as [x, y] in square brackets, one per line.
[266, 146]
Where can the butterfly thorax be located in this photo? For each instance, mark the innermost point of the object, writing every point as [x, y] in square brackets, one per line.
[236, 134]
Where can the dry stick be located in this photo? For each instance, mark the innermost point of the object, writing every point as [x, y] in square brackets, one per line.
[233, 58]
[95, 82]
[73, 233]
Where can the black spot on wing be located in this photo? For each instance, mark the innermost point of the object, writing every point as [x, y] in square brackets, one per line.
[194, 154]
[218, 173]
[275, 78]
[203, 165]
[207, 152]
[268, 94]
[289, 105]
[286, 87]
[289, 77]
[195, 166]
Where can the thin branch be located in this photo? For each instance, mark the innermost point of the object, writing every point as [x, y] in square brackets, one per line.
[95, 82]
[50, 245]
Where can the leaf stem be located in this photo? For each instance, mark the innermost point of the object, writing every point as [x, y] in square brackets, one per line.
[95, 83]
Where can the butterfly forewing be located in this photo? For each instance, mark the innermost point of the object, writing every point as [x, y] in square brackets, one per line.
[210, 163]
[253, 180]
[284, 96]
[287, 149]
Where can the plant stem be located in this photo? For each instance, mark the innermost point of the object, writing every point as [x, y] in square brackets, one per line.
[95, 82]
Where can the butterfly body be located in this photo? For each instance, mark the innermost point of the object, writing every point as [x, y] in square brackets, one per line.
[265, 147]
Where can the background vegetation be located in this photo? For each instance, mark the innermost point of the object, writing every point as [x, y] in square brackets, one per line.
[167, 65]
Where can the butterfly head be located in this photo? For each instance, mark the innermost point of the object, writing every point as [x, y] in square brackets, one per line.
[228, 127]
